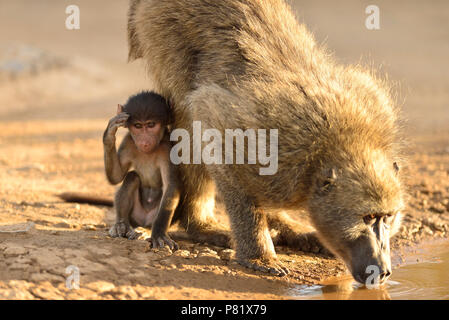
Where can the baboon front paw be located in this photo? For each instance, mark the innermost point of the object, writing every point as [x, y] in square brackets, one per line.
[273, 267]
[122, 229]
[163, 240]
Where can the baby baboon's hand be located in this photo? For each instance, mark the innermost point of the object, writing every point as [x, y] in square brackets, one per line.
[113, 125]
[159, 241]
[124, 230]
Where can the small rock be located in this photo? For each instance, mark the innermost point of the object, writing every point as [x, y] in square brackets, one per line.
[18, 266]
[438, 208]
[208, 251]
[168, 263]
[100, 225]
[428, 231]
[64, 224]
[46, 291]
[17, 227]
[226, 254]
[90, 227]
[14, 251]
[182, 253]
[81, 294]
[99, 250]
[165, 262]
[125, 293]
[101, 286]
[34, 166]
[166, 249]
[206, 258]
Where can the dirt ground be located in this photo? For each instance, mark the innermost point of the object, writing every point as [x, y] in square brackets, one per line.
[58, 88]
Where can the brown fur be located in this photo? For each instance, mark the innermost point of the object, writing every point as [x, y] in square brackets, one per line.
[249, 64]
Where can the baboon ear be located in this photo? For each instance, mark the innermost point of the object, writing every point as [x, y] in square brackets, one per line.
[396, 166]
[119, 108]
[330, 176]
[169, 127]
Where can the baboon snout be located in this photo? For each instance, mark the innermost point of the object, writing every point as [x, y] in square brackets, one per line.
[370, 261]
[373, 273]
[146, 145]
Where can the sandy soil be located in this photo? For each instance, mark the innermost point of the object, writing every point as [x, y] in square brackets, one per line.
[58, 88]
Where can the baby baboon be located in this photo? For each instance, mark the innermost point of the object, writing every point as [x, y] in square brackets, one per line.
[150, 193]
[248, 64]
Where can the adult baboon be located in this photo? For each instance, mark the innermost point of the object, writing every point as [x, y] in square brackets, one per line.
[249, 64]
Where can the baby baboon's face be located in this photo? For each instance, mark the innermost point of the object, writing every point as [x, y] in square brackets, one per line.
[355, 213]
[146, 134]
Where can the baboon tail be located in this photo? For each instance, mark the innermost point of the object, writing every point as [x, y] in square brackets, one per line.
[84, 198]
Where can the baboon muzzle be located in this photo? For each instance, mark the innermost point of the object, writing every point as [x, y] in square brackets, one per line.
[370, 261]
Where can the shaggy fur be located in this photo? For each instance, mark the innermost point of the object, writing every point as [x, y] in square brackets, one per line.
[249, 64]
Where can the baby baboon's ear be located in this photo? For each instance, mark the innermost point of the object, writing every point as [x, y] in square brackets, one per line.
[169, 128]
[119, 108]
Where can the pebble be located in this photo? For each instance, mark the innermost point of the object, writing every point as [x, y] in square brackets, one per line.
[64, 224]
[208, 251]
[125, 293]
[34, 166]
[182, 253]
[428, 231]
[19, 266]
[14, 251]
[101, 286]
[165, 250]
[17, 227]
[226, 254]
[47, 291]
[207, 258]
[438, 208]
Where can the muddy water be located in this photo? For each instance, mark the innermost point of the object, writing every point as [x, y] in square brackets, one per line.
[423, 275]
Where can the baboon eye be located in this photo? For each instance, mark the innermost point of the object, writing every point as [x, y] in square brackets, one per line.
[138, 126]
[326, 183]
[151, 124]
[389, 217]
[368, 219]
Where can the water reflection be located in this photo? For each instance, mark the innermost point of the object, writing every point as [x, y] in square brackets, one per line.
[426, 279]
[344, 288]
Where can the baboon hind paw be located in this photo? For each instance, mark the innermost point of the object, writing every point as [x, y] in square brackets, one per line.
[217, 238]
[307, 242]
[272, 267]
